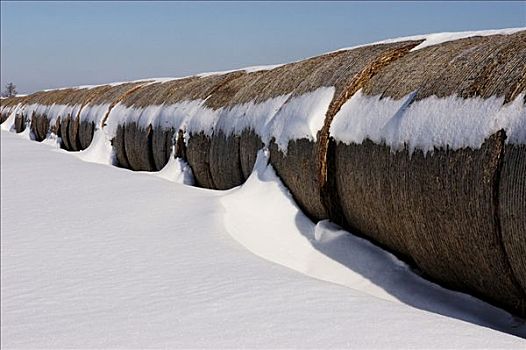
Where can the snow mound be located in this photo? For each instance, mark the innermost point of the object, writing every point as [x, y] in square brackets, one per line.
[262, 216]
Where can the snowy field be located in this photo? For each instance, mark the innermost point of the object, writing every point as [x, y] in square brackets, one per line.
[94, 256]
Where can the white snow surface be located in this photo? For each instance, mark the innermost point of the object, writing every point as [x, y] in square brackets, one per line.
[452, 121]
[101, 257]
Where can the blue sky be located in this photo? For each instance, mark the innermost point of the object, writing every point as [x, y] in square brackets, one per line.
[55, 44]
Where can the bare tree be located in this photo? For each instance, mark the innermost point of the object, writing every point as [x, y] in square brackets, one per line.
[10, 90]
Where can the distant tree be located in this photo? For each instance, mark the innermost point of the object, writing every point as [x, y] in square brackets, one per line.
[10, 90]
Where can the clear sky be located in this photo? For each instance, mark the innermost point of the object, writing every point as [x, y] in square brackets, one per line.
[56, 44]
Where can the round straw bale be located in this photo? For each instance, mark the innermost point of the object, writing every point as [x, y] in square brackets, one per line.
[162, 142]
[197, 155]
[73, 134]
[298, 169]
[34, 127]
[439, 209]
[42, 126]
[249, 145]
[39, 126]
[20, 122]
[347, 71]
[512, 208]
[64, 132]
[224, 161]
[138, 147]
[119, 147]
[85, 134]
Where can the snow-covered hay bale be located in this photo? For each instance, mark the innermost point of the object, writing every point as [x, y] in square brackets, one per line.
[224, 161]
[346, 71]
[418, 163]
[211, 155]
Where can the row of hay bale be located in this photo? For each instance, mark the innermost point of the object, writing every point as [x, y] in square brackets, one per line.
[351, 138]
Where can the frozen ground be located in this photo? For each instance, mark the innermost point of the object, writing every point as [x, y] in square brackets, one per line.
[94, 256]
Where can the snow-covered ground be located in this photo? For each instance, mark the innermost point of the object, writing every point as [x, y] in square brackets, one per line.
[95, 256]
